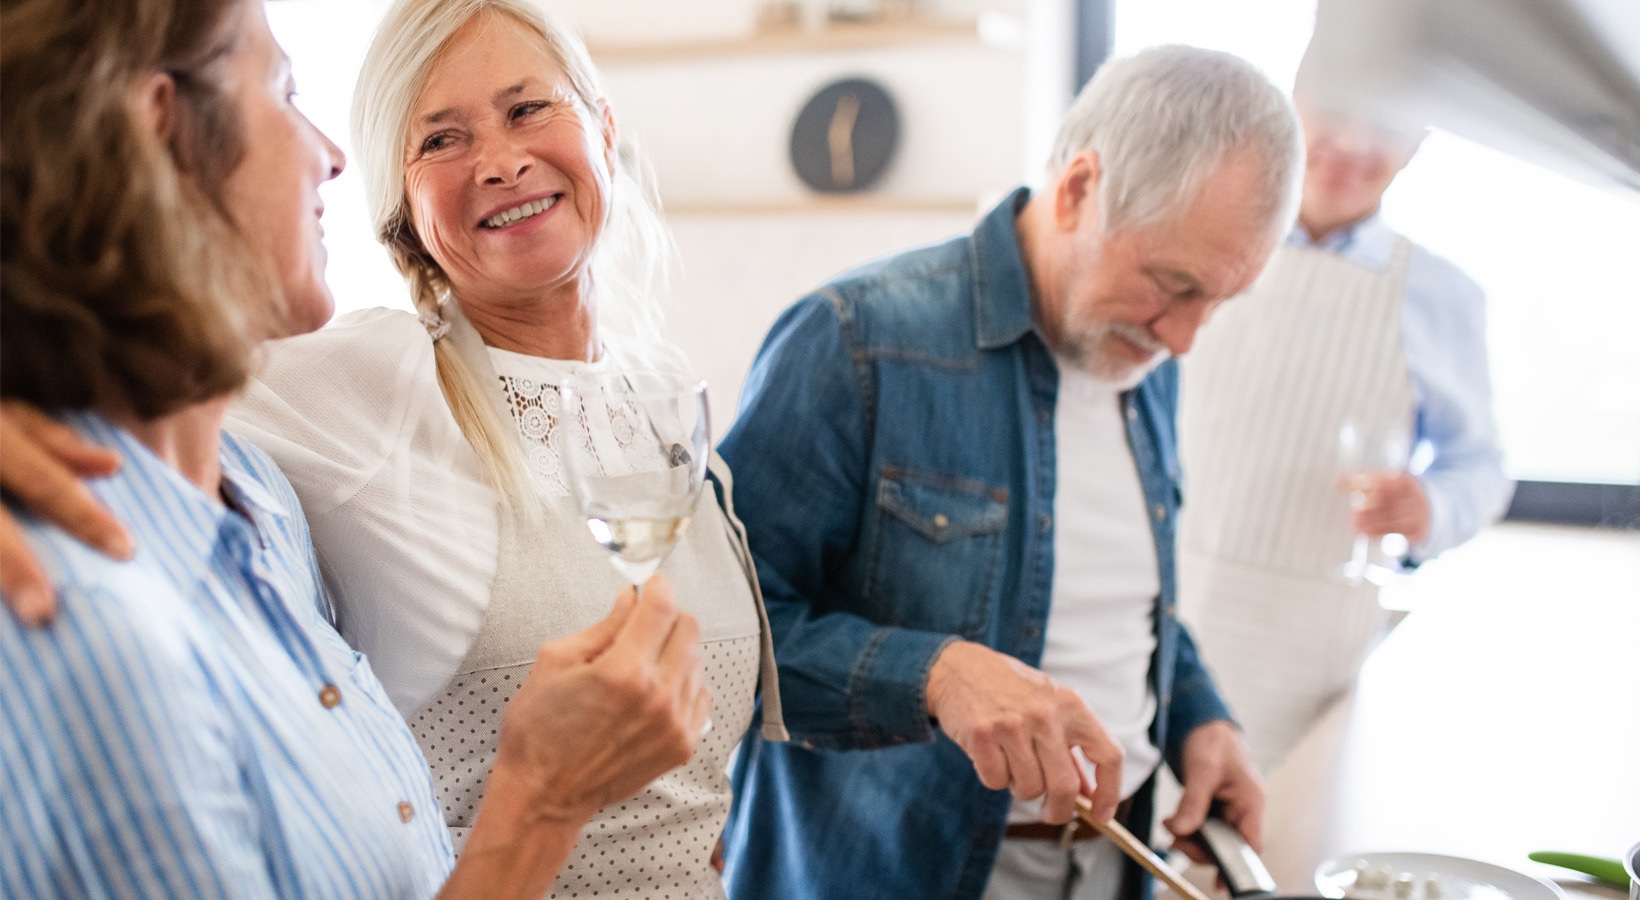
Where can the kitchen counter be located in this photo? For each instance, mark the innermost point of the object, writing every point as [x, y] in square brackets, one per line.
[1501, 716]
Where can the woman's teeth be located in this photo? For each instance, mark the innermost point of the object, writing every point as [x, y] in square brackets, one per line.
[519, 213]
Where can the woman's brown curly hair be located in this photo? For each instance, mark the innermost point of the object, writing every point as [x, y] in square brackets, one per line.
[124, 285]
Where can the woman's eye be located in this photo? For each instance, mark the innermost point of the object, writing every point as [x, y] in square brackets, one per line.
[435, 142]
[525, 109]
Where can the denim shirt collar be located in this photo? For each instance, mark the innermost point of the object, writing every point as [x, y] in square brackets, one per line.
[1002, 289]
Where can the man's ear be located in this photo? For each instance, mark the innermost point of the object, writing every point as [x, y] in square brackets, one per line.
[1076, 192]
[154, 102]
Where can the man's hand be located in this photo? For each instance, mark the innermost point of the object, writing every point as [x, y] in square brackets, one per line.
[1391, 504]
[1217, 768]
[1019, 727]
[44, 463]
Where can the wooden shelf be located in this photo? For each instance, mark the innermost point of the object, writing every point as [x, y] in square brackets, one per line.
[991, 30]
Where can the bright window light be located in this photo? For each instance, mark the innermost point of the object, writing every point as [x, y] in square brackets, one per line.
[1554, 256]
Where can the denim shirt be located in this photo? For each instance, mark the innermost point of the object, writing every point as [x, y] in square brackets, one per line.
[895, 467]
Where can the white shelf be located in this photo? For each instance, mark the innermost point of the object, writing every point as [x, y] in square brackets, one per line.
[825, 205]
[994, 30]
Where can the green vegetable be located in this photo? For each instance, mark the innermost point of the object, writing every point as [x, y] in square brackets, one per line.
[1603, 868]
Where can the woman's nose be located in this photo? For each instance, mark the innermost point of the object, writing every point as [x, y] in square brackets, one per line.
[500, 160]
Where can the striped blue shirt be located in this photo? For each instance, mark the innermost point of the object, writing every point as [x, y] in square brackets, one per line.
[191, 725]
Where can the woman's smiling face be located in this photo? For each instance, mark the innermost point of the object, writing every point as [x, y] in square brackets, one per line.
[507, 173]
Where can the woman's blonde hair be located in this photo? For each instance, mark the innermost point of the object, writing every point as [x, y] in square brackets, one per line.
[126, 285]
[630, 263]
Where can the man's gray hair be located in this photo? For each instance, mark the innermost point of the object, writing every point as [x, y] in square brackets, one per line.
[1162, 120]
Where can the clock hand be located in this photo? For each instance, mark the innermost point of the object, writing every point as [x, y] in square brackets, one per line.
[840, 139]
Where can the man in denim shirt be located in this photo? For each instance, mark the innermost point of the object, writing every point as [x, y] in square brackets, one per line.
[941, 590]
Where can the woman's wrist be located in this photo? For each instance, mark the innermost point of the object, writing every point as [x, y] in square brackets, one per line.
[519, 842]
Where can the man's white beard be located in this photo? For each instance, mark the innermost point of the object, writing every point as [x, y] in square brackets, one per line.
[1084, 349]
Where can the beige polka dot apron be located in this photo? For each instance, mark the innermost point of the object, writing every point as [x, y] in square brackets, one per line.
[659, 843]
[553, 580]
[1264, 532]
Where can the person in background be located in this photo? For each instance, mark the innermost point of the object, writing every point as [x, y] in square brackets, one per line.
[1350, 327]
[957, 468]
[190, 725]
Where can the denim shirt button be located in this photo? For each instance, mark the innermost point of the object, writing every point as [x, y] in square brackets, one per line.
[1161, 512]
[1033, 631]
[1046, 522]
[1043, 415]
[1133, 413]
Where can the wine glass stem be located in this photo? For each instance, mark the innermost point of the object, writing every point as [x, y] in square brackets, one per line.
[1358, 558]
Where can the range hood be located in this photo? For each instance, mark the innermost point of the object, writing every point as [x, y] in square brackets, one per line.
[1555, 82]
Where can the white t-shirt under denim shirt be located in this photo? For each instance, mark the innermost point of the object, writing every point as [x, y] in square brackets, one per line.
[1101, 625]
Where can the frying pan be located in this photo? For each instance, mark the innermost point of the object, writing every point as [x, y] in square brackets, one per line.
[1632, 863]
[1246, 878]
[1244, 874]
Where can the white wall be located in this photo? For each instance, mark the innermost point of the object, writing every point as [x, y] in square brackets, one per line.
[742, 271]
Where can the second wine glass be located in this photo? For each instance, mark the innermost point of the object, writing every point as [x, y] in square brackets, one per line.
[634, 455]
[1366, 455]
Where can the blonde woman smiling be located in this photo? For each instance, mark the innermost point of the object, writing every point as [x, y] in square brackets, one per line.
[423, 446]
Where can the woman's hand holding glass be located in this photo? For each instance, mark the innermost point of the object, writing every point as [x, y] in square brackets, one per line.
[635, 455]
[558, 738]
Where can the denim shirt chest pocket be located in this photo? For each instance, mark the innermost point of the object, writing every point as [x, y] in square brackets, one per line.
[936, 549]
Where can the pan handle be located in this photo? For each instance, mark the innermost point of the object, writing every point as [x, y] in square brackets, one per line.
[1244, 873]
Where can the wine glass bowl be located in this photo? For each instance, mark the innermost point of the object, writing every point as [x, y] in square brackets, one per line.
[634, 455]
[1364, 456]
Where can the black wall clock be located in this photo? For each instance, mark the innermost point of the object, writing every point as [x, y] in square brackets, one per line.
[845, 136]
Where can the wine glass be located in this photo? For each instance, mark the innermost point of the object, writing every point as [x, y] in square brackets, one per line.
[634, 455]
[1364, 455]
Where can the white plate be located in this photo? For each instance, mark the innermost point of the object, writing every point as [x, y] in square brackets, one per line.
[1434, 877]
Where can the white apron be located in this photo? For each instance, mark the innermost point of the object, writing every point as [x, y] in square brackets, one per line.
[553, 580]
[1264, 532]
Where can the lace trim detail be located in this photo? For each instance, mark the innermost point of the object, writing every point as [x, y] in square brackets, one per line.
[537, 411]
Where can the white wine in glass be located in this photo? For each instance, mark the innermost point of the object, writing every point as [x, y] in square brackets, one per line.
[634, 454]
[1363, 457]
